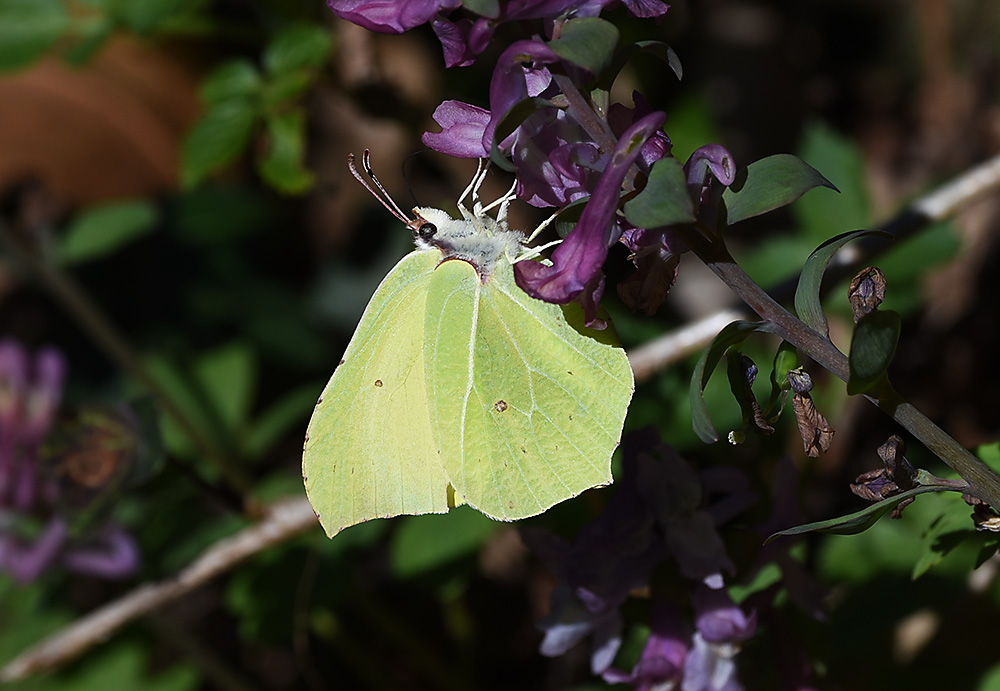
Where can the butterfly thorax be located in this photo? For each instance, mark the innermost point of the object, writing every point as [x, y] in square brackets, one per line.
[480, 240]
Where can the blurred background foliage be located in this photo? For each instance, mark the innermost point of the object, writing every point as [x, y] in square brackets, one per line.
[184, 162]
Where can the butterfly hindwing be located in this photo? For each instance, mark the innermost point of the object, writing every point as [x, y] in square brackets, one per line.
[525, 407]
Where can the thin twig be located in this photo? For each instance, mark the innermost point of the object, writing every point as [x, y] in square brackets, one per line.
[283, 520]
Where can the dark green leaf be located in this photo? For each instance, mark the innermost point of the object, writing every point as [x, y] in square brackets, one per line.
[587, 42]
[665, 53]
[236, 79]
[808, 305]
[279, 418]
[872, 348]
[218, 139]
[302, 46]
[423, 543]
[147, 16]
[665, 199]
[484, 8]
[769, 184]
[821, 216]
[859, 521]
[282, 165]
[102, 230]
[786, 358]
[731, 335]
[27, 29]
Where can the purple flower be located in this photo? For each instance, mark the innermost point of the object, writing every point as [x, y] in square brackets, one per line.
[30, 393]
[708, 162]
[519, 73]
[462, 127]
[656, 254]
[575, 274]
[719, 620]
[661, 665]
[389, 16]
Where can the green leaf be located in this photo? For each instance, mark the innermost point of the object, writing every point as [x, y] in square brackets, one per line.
[820, 215]
[219, 138]
[148, 16]
[808, 304]
[587, 42]
[281, 167]
[301, 46]
[231, 80]
[484, 8]
[427, 542]
[872, 348]
[859, 521]
[228, 377]
[769, 184]
[102, 230]
[27, 29]
[732, 334]
[281, 416]
[786, 358]
[665, 199]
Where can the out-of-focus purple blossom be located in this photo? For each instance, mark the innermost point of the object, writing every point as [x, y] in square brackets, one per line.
[616, 553]
[25, 561]
[110, 553]
[462, 127]
[670, 486]
[661, 664]
[577, 262]
[719, 620]
[390, 16]
[710, 667]
[30, 394]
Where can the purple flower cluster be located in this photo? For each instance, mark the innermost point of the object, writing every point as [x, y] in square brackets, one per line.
[560, 153]
[466, 37]
[33, 535]
[656, 515]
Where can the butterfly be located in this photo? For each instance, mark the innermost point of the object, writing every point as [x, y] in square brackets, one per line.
[457, 387]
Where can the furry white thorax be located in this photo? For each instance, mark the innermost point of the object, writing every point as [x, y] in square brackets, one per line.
[478, 239]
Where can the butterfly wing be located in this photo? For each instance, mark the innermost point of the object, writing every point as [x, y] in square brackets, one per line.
[526, 407]
[369, 452]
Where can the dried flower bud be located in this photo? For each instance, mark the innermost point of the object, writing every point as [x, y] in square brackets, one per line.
[866, 292]
[800, 380]
[816, 433]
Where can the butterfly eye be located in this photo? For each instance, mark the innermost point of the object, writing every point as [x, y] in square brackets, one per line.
[427, 230]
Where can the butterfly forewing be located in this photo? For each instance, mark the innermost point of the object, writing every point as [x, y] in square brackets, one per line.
[369, 451]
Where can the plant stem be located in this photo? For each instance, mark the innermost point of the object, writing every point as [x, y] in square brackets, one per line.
[983, 482]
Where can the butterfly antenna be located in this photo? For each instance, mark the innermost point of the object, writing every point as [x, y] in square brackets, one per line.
[391, 205]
